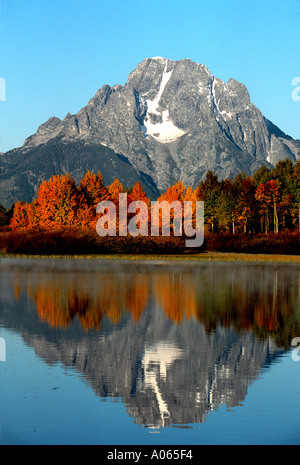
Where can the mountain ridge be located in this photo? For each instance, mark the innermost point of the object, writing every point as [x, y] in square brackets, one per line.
[171, 120]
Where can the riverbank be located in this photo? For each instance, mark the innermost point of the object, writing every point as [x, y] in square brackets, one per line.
[203, 257]
[86, 243]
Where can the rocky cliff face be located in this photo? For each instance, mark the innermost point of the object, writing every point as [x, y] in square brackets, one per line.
[171, 120]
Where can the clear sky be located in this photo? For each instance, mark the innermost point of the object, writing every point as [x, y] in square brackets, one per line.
[55, 54]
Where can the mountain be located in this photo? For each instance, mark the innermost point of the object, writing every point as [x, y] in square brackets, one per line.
[171, 120]
[167, 372]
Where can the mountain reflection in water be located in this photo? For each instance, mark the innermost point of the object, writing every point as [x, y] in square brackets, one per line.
[174, 341]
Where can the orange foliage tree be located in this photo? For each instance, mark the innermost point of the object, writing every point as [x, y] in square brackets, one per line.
[179, 194]
[91, 191]
[57, 202]
[114, 189]
[23, 216]
[140, 215]
[268, 200]
[269, 196]
[174, 194]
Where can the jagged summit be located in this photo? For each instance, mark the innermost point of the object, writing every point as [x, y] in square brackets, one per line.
[171, 120]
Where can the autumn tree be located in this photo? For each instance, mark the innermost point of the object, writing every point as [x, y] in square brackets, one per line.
[295, 192]
[138, 210]
[24, 216]
[137, 193]
[19, 219]
[192, 195]
[174, 196]
[268, 196]
[57, 202]
[173, 193]
[91, 190]
[283, 172]
[114, 189]
[271, 197]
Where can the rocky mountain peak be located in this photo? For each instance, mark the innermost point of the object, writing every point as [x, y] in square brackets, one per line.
[171, 120]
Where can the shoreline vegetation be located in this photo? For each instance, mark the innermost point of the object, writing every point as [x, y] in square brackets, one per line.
[280, 247]
[205, 257]
[256, 215]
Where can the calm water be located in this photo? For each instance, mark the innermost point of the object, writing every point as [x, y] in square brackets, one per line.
[117, 352]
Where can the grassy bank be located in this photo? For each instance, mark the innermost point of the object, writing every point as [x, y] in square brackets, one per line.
[205, 256]
[85, 243]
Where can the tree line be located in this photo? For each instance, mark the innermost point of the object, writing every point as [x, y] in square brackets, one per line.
[268, 201]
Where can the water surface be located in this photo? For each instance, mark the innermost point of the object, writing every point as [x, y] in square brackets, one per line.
[122, 352]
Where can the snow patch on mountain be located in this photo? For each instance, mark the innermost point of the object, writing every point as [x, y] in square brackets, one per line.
[164, 131]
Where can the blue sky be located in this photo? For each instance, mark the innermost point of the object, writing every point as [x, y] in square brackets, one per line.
[55, 54]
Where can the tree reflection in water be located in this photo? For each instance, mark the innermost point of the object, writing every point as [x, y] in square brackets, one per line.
[174, 342]
[264, 301]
